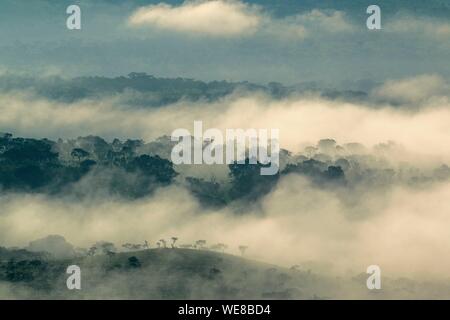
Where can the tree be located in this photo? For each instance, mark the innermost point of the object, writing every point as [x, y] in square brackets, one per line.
[208, 192]
[55, 245]
[247, 181]
[153, 166]
[242, 249]
[87, 164]
[105, 247]
[200, 244]
[79, 154]
[174, 239]
[334, 173]
[134, 262]
[145, 246]
[7, 136]
[163, 242]
[29, 151]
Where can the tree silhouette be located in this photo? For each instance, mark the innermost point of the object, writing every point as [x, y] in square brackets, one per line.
[200, 244]
[79, 154]
[174, 239]
[134, 262]
[105, 247]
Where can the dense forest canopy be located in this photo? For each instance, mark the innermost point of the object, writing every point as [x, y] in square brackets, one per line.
[134, 169]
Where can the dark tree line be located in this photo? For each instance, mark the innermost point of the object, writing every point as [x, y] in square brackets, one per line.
[33, 165]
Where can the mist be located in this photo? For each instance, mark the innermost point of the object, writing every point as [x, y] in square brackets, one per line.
[401, 227]
[420, 126]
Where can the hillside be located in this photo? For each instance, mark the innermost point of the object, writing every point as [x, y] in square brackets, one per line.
[190, 274]
[157, 274]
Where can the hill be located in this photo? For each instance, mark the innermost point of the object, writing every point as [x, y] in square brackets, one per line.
[190, 274]
[157, 274]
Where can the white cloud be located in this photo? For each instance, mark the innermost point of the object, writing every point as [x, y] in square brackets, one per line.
[305, 24]
[436, 29]
[215, 18]
[225, 18]
[412, 90]
[301, 119]
[405, 230]
[334, 21]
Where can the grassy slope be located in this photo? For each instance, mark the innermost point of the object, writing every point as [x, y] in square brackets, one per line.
[194, 274]
[161, 274]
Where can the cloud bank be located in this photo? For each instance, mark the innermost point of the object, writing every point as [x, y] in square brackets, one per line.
[234, 18]
[420, 125]
[403, 232]
[414, 90]
[423, 26]
[214, 18]
[221, 18]
[402, 228]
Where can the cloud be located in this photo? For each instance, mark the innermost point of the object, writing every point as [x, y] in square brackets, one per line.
[413, 90]
[428, 27]
[306, 24]
[213, 18]
[334, 21]
[301, 119]
[221, 18]
[402, 229]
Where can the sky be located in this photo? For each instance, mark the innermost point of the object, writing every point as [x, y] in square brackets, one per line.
[259, 41]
